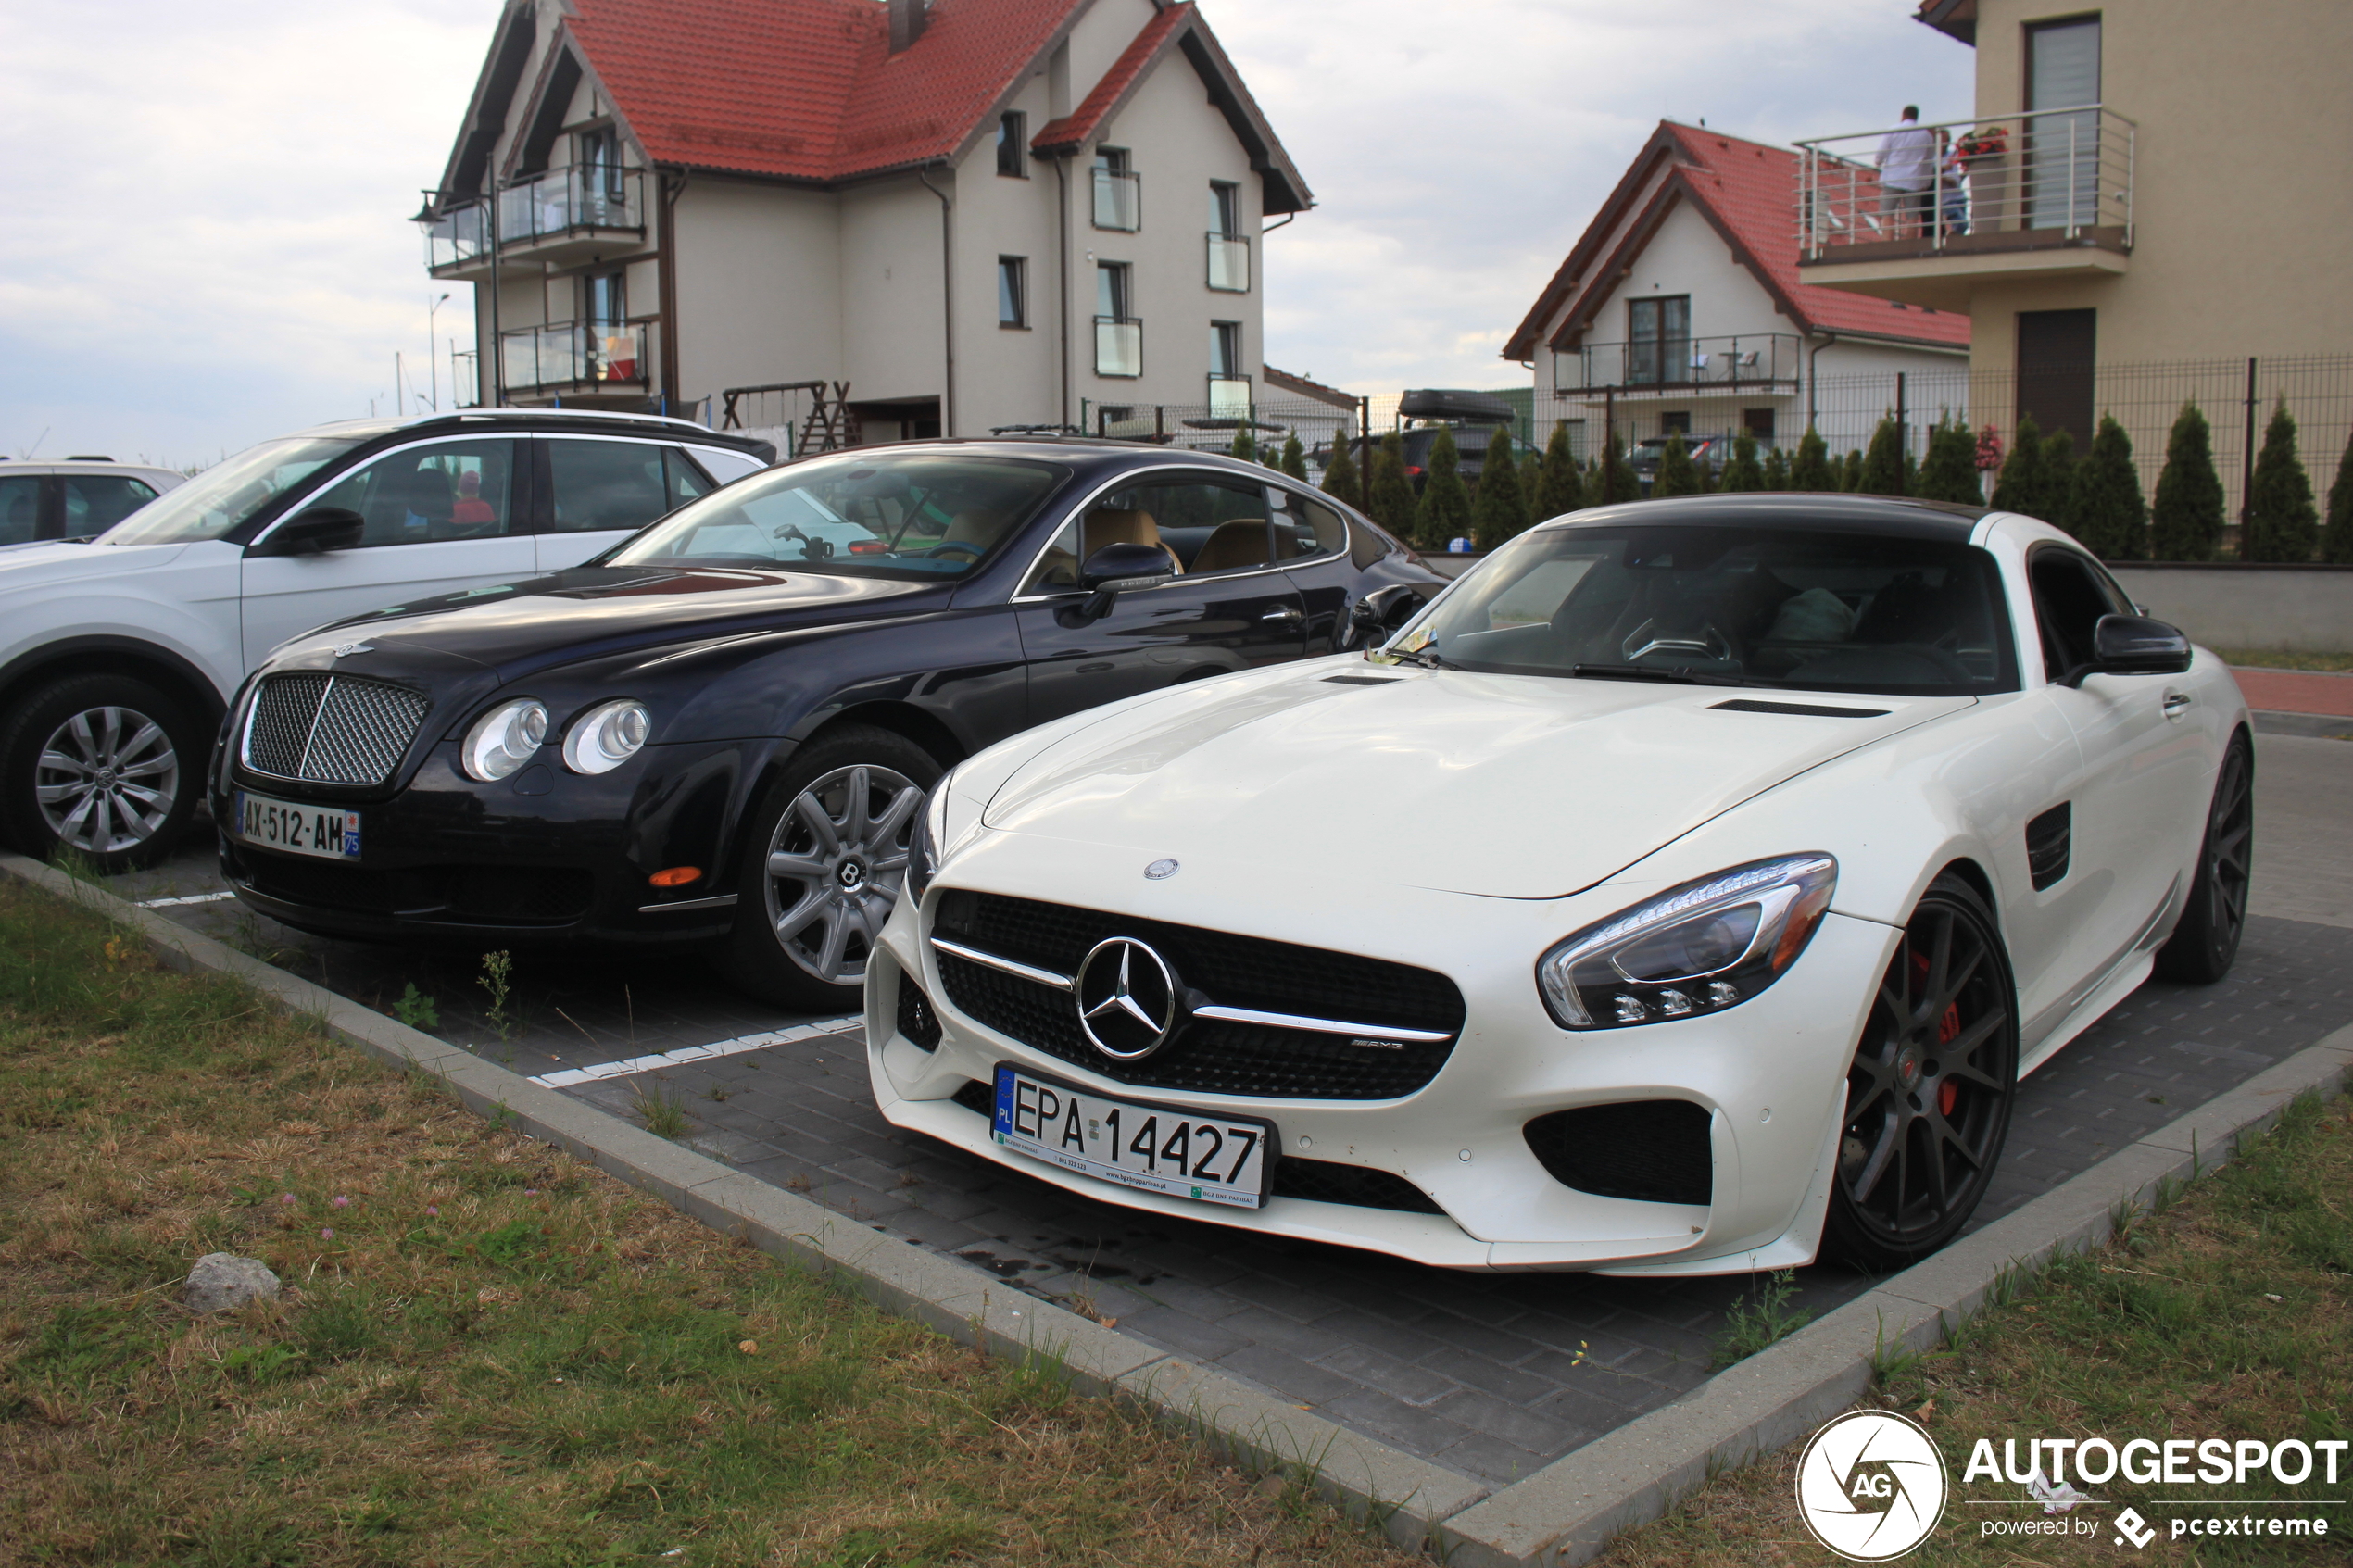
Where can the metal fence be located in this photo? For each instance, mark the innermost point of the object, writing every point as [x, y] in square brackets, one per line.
[1204, 427]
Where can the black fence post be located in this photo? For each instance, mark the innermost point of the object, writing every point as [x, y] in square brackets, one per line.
[2246, 459]
[1903, 427]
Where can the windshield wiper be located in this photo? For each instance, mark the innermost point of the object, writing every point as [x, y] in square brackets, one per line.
[1679, 675]
[1423, 657]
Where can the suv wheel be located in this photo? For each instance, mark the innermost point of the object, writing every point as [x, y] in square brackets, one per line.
[825, 856]
[105, 767]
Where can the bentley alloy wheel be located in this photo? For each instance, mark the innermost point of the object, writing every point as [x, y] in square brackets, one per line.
[1929, 1093]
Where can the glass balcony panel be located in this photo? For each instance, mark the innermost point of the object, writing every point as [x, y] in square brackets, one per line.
[1229, 397]
[1119, 201]
[1229, 263]
[460, 234]
[574, 354]
[1750, 359]
[1119, 347]
[565, 199]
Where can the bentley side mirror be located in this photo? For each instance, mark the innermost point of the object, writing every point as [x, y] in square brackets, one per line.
[314, 533]
[1374, 617]
[1120, 569]
[2134, 644]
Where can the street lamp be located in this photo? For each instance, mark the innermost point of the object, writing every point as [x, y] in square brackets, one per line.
[433, 362]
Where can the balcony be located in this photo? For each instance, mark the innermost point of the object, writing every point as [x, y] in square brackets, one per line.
[581, 357]
[1119, 346]
[563, 216]
[1229, 263]
[2027, 196]
[1119, 200]
[457, 243]
[1758, 362]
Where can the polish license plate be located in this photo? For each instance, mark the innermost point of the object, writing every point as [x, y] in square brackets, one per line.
[1154, 1147]
[330, 832]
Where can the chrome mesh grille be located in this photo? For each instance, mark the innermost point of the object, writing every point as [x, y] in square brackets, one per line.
[331, 729]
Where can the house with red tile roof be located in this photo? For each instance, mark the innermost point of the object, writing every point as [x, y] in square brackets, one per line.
[956, 214]
[1681, 308]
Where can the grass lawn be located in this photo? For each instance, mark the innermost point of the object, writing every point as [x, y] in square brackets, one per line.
[2272, 658]
[2228, 1315]
[486, 1352]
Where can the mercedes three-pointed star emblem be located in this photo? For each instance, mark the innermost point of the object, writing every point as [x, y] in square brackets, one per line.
[1128, 999]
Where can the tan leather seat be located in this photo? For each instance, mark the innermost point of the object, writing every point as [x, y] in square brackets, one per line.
[1114, 525]
[1240, 542]
[979, 528]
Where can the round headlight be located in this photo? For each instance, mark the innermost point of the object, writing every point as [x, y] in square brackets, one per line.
[606, 735]
[503, 739]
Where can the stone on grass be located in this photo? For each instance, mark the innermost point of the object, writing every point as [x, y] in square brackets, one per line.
[222, 1280]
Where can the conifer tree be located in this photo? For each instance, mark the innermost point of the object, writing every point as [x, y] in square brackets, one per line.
[1810, 469]
[1499, 509]
[2336, 543]
[2018, 486]
[1777, 475]
[1245, 446]
[1560, 485]
[1392, 503]
[1950, 472]
[2281, 524]
[2186, 521]
[1618, 482]
[2055, 504]
[1341, 481]
[1445, 513]
[2111, 517]
[1677, 474]
[1294, 458]
[1883, 464]
[1742, 474]
[1850, 477]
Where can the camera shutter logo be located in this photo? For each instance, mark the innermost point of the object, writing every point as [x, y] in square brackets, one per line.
[1871, 1486]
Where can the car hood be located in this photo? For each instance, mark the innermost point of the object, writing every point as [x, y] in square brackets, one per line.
[49, 562]
[1511, 786]
[588, 612]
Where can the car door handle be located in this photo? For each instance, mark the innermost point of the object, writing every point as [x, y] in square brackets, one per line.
[1287, 613]
[2176, 704]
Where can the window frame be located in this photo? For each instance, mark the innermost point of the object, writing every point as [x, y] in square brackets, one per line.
[1012, 286]
[1013, 145]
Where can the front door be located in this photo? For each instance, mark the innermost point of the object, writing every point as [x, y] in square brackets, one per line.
[439, 516]
[1230, 606]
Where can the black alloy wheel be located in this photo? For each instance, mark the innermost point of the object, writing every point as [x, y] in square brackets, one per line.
[2206, 940]
[1929, 1091]
[103, 768]
[824, 857]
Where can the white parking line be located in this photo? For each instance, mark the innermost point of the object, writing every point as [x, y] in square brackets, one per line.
[680, 1058]
[186, 898]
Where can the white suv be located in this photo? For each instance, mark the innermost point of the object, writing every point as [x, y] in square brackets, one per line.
[74, 497]
[118, 654]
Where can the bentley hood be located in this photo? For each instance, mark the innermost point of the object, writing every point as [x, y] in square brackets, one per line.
[1512, 785]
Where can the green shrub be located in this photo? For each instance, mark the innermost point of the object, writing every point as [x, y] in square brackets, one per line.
[2110, 516]
[1560, 485]
[1499, 509]
[1742, 474]
[1883, 464]
[1777, 475]
[1810, 469]
[2336, 544]
[1677, 475]
[1341, 481]
[1392, 503]
[2282, 523]
[1445, 513]
[1294, 458]
[2186, 521]
[1950, 473]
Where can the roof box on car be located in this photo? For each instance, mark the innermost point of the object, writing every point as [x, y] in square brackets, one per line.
[1432, 403]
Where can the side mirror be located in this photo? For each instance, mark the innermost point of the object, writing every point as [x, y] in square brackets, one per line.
[1115, 569]
[314, 533]
[2134, 644]
[1374, 617]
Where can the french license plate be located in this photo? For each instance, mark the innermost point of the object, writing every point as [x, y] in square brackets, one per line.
[329, 832]
[1155, 1147]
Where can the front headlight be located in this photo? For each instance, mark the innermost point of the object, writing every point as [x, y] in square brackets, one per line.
[1698, 948]
[504, 739]
[922, 849]
[606, 735]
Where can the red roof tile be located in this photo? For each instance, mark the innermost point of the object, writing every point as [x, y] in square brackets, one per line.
[1081, 123]
[1749, 191]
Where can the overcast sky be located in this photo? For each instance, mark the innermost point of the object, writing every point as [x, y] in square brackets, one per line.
[206, 238]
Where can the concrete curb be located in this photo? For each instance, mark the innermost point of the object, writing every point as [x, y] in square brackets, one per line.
[1563, 1514]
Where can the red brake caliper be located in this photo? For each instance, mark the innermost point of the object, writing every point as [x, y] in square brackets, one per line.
[1948, 1093]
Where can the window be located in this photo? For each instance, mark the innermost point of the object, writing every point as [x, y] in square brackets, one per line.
[1118, 200]
[1206, 525]
[19, 509]
[1304, 527]
[604, 298]
[1013, 292]
[1111, 290]
[2070, 595]
[2061, 151]
[96, 502]
[1672, 421]
[1119, 337]
[1224, 209]
[1658, 339]
[226, 495]
[605, 486]
[1225, 348]
[425, 495]
[1758, 423]
[600, 162]
[1012, 137]
[1229, 250]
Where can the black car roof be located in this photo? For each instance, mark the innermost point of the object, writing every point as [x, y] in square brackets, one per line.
[1825, 512]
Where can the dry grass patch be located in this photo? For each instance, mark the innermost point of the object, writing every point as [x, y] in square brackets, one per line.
[2273, 658]
[486, 1352]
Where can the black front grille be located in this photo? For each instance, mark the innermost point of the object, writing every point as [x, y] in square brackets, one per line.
[1655, 1151]
[492, 895]
[1207, 1055]
[319, 884]
[1323, 1181]
[976, 1098]
[915, 1020]
[331, 729]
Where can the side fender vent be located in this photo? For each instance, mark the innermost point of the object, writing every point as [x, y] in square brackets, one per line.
[2048, 839]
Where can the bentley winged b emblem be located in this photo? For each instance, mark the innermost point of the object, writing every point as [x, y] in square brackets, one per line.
[345, 650]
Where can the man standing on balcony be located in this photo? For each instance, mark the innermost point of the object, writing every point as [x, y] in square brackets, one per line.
[1907, 170]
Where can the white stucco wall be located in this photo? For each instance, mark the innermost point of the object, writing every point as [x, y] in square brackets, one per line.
[758, 266]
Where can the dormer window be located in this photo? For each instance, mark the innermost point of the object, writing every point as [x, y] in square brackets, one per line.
[1012, 137]
[1118, 197]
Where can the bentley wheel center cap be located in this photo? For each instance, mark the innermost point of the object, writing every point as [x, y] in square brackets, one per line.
[1127, 998]
[851, 875]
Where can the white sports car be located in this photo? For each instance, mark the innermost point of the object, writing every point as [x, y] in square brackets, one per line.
[1684, 891]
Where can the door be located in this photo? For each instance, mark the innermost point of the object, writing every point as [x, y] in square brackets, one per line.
[600, 491]
[438, 517]
[1230, 606]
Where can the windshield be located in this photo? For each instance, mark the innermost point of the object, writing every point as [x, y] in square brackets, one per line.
[1768, 606]
[863, 514]
[230, 493]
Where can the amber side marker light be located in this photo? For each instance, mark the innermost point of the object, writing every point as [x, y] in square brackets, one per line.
[676, 876]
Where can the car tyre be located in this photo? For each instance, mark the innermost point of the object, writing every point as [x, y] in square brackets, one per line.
[105, 767]
[2206, 940]
[1929, 1088]
[825, 856]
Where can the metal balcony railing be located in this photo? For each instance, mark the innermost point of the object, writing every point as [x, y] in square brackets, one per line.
[2004, 182]
[573, 354]
[1229, 263]
[1119, 200]
[1747, 359]
[1119, 346]
[460, 234]
[563, 200]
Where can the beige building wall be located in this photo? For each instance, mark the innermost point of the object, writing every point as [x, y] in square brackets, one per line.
[758, 267]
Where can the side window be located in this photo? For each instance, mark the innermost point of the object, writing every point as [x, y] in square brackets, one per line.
[606, 487]
[421, 495]
[684, 481]
[1364, 547]
[19, 509]
[2069, 602]
[96, 502]
[1304, 527]
[1205, 524]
